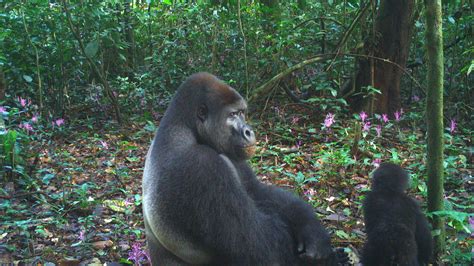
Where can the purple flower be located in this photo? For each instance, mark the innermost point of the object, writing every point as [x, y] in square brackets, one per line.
[299, 143]
[59, 122]
[310, 193]
[35, 118]
[378, 129]
[415, 98]
[104, 144]
[363, 116]
[366, 126]
[26, 126]
[295, 120]
[471, 222]
[82, 235]
[329, 120]
[452, 126]
[137, 254]
[23, 102]
[385, 118]
[128, 202]
[398, 115]
[376, 162]
[2, 109]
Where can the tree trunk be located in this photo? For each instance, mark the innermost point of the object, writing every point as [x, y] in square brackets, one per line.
[3, 85]
[271, 12]
[129, 36]
[393, 30]
[434, 118]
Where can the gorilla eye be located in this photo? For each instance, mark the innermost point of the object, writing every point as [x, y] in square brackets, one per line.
[234, 114]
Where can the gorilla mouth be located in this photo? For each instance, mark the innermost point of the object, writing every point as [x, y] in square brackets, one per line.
[250, 150]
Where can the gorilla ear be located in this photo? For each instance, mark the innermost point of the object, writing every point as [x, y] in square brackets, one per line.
[202, 112]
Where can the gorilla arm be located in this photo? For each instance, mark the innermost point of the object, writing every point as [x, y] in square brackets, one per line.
[236, 228]
[313, 241]
[424, 240]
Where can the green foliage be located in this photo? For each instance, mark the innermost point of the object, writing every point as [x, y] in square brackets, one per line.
[145, 54]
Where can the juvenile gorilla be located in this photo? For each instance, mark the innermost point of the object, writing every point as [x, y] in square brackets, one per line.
[202, 203]
[397, 231]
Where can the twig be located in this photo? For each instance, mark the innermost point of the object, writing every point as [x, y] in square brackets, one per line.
[348, 32]
[315, 19]
[96, 69]
[245, 49]
[40, 89]
[318, 58]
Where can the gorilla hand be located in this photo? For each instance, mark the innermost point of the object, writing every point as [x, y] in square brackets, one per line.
[313, 244]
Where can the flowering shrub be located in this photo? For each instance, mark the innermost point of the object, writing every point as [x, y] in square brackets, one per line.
[20, 123]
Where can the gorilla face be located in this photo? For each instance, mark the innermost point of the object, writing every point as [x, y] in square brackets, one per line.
[223, 128]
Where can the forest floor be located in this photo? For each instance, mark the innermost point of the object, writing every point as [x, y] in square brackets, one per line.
[84, 204]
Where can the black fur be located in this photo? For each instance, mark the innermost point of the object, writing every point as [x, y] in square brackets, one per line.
[397, 231]
[202, 202]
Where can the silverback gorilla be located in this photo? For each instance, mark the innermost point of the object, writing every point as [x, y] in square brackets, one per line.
[202, 203]
[397, 231]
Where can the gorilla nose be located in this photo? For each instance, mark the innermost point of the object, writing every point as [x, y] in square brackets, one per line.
[248, 135]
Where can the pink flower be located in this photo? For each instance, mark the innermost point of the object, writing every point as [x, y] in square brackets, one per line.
[2, 109]
[35, 118]
[299, 143]
[137, 254]
[385, 118]
[366, 126]
[26, 126]
[104, 144]
[452, 126]
[23, 102]
[82, 235]
[471, 223]
[378, 129]
[363, 116]
[295, 120]
[59, 122]
[128, 202]
[376, 162]
[310, 193]
[329, 120]
[398, 115]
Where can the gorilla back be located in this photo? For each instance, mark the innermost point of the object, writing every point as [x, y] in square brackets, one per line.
[397, 230]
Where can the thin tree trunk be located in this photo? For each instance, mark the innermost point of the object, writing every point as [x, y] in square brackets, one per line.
[393, 28]
[271, 13]
[98, 71]
[434, 117]
[3, 85]
[38, 73]
[129, 36]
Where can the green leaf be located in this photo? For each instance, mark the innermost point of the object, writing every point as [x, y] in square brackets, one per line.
[342, 234]
[92, 48]
[471, 67]
[115, 205]
[27, 78]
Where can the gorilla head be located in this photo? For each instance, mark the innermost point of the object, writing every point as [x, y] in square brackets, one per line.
[221, 120]
[390, 177]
